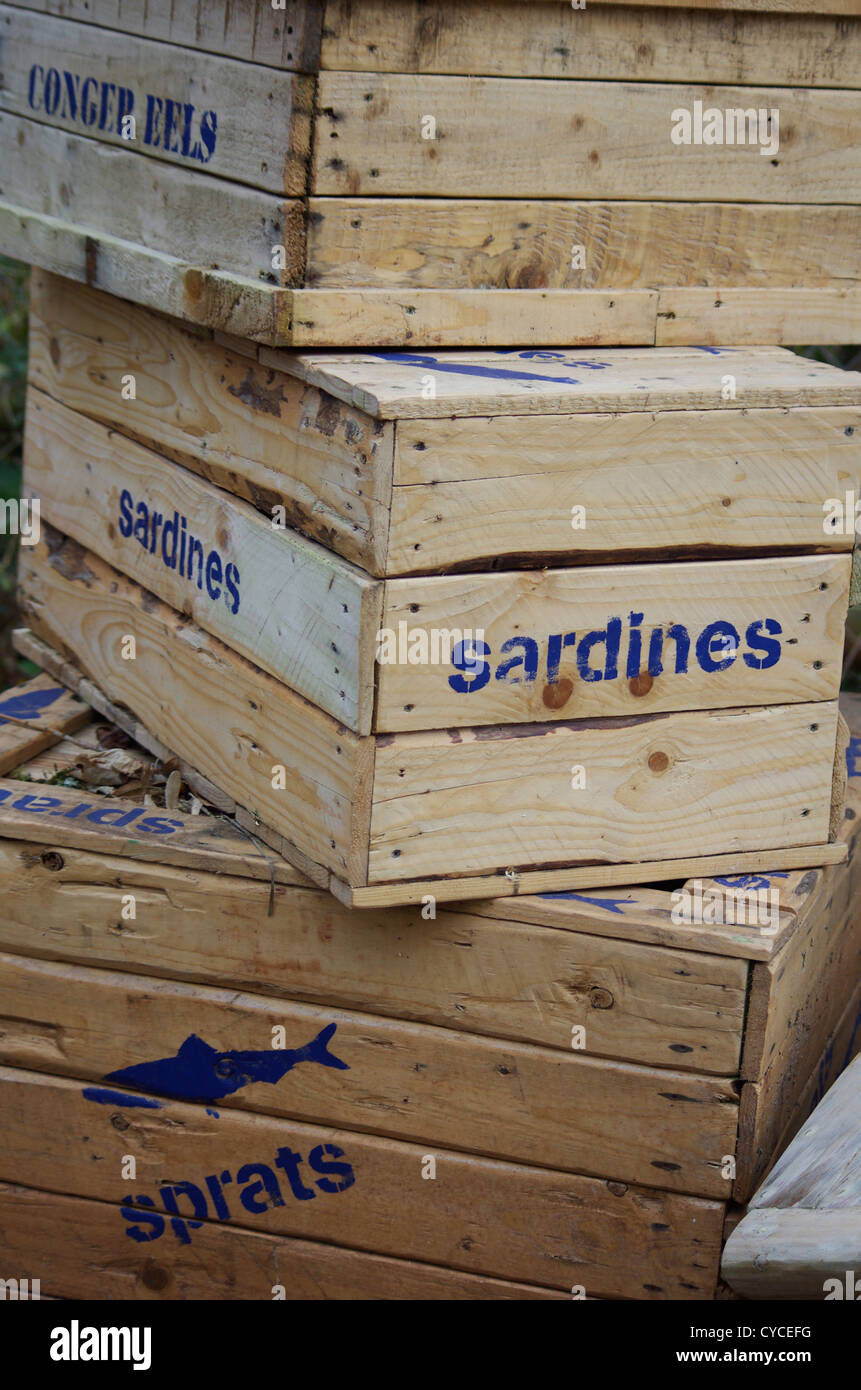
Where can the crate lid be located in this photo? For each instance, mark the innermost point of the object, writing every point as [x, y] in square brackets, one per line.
[521, 381]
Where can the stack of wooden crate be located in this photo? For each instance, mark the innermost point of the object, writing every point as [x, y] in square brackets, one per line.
[528, 1098]
[425, 656]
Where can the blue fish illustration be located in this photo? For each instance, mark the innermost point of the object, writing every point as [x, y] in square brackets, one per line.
[29, 704]
[417, 359]
[199, 1072]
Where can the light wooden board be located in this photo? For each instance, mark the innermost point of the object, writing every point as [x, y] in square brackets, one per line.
[801, 1232]
[287, 37]
[81, 1249]
[661, 1005]
[117, 826]
[662, 483]
[118, 193]
[225, 716]
[507, 243]
[849, 7]
[555, 40]
[597, 140]
[45, 709]
[248, 124]
[478, 1215]
[516, 620]
[253, 430]
[758, 316]
[299, 612]
[658, 1127]
[728, 782]
[490, 383]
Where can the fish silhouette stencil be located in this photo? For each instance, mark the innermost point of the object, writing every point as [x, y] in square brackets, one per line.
[29, 705]
[199, 1072]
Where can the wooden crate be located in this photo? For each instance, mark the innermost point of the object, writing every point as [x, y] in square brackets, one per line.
[607, 1167]
[368, 173]
[574, 719]
[414, 463]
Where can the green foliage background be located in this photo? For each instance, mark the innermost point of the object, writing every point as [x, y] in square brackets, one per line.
[13, 376]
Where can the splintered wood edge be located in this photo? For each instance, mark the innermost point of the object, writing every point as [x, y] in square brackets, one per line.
[840, 778]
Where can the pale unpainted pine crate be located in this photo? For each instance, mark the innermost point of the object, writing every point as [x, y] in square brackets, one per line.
[669, 997]
[673, 453]
[461, 239]
[380, 818]
[433, 652]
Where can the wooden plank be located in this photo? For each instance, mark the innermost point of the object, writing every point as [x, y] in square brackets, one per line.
[452, 318]
[514, 626]
[801, 1232]
[652, 484]
[80, 1247]
[127, 269]
[124, 828]
[658, 1127]
[599, 140]
[552, 40]
[534, 1225]
[118, 193]
[491, 383]
[793, 1253]
[287, 37]
[255, 431]
[183, 105]
[507, 243]
[728, 781]
[43, 711]
[751, 315]
[658, 1005]
[218, 710]
[301, 613]
[849, 7]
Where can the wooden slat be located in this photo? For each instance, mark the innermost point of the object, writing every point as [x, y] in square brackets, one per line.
[81, 1249]
[301, 613]
[598, 140]
[287, 37]
[534, 1225]
[554, 40]
[794, 1254]
[452, 318]
[662, 1005]
[461, 243]
[729, 781]
[801, 1232]
[805, 596]
[45, 711]
[658, 1127]
[267, 148]
[185, 685]
[653, 484]
[253, 430]
[751, 315]
[491, 383]
[119, 193]
[117, 826]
